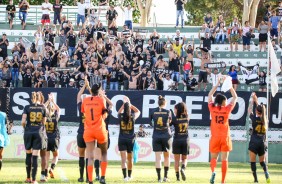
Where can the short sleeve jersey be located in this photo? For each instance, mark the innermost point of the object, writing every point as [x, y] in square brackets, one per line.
[180, 128]
[259, 129]
[126, 130]
[35, 115]
[160, 119]
[220, 120]
[51, 125]
[93, 107]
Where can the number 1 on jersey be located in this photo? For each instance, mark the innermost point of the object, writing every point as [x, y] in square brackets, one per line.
[92, 114]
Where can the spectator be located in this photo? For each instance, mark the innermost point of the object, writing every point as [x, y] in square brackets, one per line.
[180, 11]
[51, 79]
[93, 18]
[262, 81]
[219, 21]
[247, 34]
[268, 13]
[274, 24]
[46, 8]
[174, 66]
[80, 13]
[128, 15]
[189, 48]
[23, 6]
[191, 83]
[234, 33]
[203, 75]
[96, 78]
[101, 4]
[152, 86]
[263, 30]
[208, 19]
[71, 83]
[15, 71]
[71, 40]
[148, 80]
[88, 6]
[220, 33]
[132, 78]
[114, 78]
[212, 32]
[4, 43]
[215, 76]
[57, 8]
[11, 10]
[111, 15]
[206, 41]
[27, 78]
[38, 79]
[168, 83]
[39, 42]
[187, 68]
[6, 73]
[233, 73]
[141, 132]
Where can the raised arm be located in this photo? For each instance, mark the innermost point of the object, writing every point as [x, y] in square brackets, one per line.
[211, 93]
[234, 96]
[136, 111]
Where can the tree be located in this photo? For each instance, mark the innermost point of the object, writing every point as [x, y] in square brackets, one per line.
[144, 7]
[250, 8]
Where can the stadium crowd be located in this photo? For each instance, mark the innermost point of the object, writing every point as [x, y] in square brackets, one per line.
[120, 59]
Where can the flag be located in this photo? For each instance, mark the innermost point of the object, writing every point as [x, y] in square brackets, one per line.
[275, 69]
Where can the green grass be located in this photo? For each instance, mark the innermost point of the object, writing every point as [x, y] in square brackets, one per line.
[13, 171]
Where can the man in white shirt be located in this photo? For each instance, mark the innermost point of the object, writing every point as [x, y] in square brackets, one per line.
[215, 76]
[46, 8]
[168, 83]
[80, 13]
[128, 15]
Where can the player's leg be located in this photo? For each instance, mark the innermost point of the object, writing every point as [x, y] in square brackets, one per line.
[183, 166]
[166, 165]
[47, 158]
[176, 165]
[104, 160]
[34, 167]
[213, 162]
[28, 157]
[123, 155]
[81, 152]
[130, 158]
[158, 164]
[54, 162]
[90, 153]
[44, 171]
[252, 156]
[224, 165]
[264, 166]
[97, 160]
[1, 153]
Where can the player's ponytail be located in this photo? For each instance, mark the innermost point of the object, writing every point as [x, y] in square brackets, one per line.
[126, 116]
[261, 109]
[41, 97]
[161, 101]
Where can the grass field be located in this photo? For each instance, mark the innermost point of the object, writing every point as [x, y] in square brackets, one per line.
[13, 171]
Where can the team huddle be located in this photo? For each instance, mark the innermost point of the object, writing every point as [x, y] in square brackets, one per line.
[41, 135]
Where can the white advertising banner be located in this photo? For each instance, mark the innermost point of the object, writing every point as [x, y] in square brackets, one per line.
[199, 149]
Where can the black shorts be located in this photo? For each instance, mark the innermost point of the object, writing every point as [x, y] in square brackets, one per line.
[53, 144]
[86, 13]
[180, 147]
[35, 141]
[257, 147]
[203, 77]
[263, 37]
[80, 141]
[126, 145]
[162, 144]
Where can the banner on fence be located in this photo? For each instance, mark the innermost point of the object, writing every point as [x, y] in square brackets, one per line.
[146, 102]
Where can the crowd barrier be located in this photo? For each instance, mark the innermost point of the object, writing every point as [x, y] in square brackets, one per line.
[146, 101]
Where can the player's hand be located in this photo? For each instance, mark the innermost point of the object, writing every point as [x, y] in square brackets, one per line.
[51, 97]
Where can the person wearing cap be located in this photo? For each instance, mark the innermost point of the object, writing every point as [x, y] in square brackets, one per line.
[111, 15]
[180, 11]
[46, 8]
[128, 15]
[168, 83]
[71, 84]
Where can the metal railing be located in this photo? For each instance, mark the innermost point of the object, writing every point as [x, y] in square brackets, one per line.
[35, 14]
